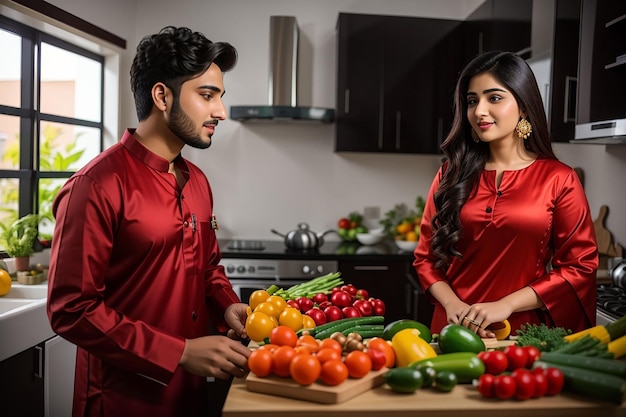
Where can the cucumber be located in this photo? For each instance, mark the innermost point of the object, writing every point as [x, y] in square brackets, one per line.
[365, 330]
[594, 384]
[395, 326]
[465, 365]
[591, 363]
[325, 330]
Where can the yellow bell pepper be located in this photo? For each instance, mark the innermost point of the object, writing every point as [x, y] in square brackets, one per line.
[410, 347]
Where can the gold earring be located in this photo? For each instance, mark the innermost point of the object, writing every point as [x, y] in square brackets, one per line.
[475, 137]
[523, 128]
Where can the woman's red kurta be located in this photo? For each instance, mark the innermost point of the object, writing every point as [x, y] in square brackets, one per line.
[534, 230]
[133, 274]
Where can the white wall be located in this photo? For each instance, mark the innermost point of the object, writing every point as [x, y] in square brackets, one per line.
[273, 176]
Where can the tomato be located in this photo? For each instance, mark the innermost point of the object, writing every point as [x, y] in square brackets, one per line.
[485, 385]
[517, 357]
[341, 299]
[309, 342]
[281, 358]
[308, 322]
[541, 384]
[332, 344]
[504, 386]
[257, 297]
[283, 336]
[291, 317]
[445, 380]
[268, 308]
[532, 354]
[317, 315]
[350, 289]
[378, 343]
[305, 369]
[495, 361]
[327, 354]
[377, 357]
[555, 381]
[260, 362]
[524, 383]
[359, 364]
[259, 326]
[268, 346]
[334, 372]
[343, 223]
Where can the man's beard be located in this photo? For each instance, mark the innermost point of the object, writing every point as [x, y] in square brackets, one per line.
[183, 127]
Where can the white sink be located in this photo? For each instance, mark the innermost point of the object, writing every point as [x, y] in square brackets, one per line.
[23, 319]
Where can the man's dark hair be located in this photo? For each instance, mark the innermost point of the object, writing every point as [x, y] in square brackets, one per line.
[173, 56]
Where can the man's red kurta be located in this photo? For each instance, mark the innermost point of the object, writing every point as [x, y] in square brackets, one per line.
[538, 216]
[134, 273]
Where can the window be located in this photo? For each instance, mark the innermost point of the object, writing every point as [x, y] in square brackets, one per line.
[51, 118]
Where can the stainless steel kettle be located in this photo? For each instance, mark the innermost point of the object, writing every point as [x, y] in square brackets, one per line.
[617, 272]
[303, 238]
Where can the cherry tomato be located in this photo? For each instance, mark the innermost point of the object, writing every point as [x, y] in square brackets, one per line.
[359, 364]
[485, 385]
[532, 354]
[378, 343]
[377, 357]
[495, 361]
[504, 386]
[517, 357]
[327, 354]
[305, 369]
[257, 297]
[343, 223]
[555, 381]
[281, 358]
[291, 317]
[541, 384]
[260, 362]
[524, 383]
[334, 372]
[283, 335]
[331, 343]
[259, 326]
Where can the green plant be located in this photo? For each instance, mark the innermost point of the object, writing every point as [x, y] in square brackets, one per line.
[18, 238]
[401, 212]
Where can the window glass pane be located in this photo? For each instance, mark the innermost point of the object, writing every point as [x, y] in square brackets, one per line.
[48, 190]
[70, 84]
[64, 147]
[9, 142]
[11, 53]
[9, 197]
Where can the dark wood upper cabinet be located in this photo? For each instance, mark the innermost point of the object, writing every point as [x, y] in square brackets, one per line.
[395, 81]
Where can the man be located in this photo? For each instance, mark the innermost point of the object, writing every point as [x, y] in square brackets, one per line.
[134, 277]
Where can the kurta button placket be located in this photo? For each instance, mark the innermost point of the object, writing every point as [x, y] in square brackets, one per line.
[194, 316]
[499, 193]
[489, 210]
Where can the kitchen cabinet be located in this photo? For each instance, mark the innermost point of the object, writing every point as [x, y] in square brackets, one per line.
[395, 78]
[503, 25]
[39, 381]
[21, 379]
[602, 62]
[394, 282]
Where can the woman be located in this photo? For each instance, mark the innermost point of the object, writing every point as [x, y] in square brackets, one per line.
[506, 231]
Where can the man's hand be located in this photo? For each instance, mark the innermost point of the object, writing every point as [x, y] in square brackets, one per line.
[217, 356]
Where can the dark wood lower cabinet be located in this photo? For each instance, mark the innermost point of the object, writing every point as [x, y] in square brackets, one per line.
[22, 384]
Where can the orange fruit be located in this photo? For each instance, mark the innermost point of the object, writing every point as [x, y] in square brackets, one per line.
[5, 282]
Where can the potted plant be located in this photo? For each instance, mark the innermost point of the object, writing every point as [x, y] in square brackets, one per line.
[18, 239]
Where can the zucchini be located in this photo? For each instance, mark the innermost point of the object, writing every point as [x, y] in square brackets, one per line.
[594, 384]
[325, 330]
[591, 363]
[465, 365]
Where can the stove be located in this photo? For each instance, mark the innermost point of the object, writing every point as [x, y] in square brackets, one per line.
[610, 304]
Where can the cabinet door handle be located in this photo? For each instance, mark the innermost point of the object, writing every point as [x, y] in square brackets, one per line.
[39, 363]
[371, 268]
[569, 82]
[398, 127]
[346, 103]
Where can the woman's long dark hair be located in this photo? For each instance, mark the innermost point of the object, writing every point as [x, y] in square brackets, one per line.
[466, 159]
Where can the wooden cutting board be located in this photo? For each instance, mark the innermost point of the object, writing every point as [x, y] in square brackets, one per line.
[318, 391]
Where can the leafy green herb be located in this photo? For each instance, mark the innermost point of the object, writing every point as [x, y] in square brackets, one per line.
[544, 338]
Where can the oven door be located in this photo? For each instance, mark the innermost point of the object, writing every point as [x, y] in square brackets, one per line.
[245, 287]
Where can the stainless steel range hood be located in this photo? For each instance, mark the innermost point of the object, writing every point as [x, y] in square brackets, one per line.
[283, 81]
